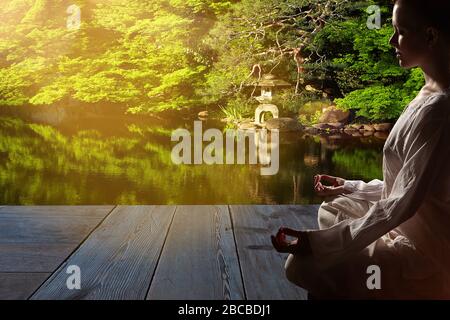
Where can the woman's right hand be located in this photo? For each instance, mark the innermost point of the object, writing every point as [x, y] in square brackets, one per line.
[336, 188]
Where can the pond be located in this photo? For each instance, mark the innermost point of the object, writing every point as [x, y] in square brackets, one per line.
[58, 156]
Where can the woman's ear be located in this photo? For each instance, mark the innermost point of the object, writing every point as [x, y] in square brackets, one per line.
[432, 35]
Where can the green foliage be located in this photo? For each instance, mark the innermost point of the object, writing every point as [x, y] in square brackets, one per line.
[357, 63]
[145, 55]
[309, 120]
[155, 55]
[366, 71]
[366, 164]
[377, 102]
[311, 111]
[287, 101]
[238, 108]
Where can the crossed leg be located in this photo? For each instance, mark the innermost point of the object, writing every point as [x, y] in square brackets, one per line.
[349, 280]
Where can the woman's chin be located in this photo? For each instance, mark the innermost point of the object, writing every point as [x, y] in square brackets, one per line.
[405, 64]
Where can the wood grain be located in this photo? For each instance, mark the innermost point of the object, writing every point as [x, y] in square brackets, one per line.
[153, 252]
[38, 239]
[33, 257]
[19, 286]
[60, 230]
[98, 212]
[199, 259]
[119, 258]
[262, 267]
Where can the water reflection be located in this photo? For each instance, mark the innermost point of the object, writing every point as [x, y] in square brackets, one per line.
[92, 159]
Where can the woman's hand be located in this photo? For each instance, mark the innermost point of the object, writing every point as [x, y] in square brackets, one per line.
[282, 245]
[336, 188]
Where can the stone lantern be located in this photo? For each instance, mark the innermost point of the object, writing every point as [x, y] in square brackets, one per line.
[268, 84]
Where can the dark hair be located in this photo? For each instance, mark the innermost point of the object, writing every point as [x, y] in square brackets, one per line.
[435, 13]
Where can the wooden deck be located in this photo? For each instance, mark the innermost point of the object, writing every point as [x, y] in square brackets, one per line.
[147, 252]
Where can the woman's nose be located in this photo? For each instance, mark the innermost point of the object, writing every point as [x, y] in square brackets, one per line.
[393, 40]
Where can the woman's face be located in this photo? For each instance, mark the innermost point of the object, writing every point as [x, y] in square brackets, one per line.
[409, 39]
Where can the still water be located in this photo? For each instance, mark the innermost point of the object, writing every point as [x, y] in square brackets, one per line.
[65, 157]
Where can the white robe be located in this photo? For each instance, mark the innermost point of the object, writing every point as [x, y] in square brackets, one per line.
[409, 209]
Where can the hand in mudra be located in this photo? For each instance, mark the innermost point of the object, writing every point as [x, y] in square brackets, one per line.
[281, 244]
[335, 185]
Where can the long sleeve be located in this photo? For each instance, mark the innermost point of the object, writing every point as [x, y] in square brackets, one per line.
[359, 189]
[424, 152]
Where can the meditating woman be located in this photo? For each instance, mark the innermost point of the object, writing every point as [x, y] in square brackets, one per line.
[397, 229]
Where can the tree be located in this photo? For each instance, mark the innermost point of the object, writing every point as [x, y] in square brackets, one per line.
[324, 43]
[155, 55]
[140, 54]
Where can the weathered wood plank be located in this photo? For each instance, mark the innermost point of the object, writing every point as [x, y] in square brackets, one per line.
[98, 212]
[49, 224]
[118, 260]
[262, 267]
[37, 239]
[303, 216]
[33, 257]
[19, 286]
[45, 230]
[199, 259]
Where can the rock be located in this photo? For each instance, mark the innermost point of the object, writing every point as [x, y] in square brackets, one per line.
[246, 120]
[356, 126]
[350, 131]
[283, 124]
[381, 135]
[312, 130]
[382, 126]
[333, 114]
[368, 133]
[329, 127]
[203, 114]
[329, 131]
[336, 125]
[225, 120]
[368, 127]
[356, 134]
[322, 126]
[247, 126]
